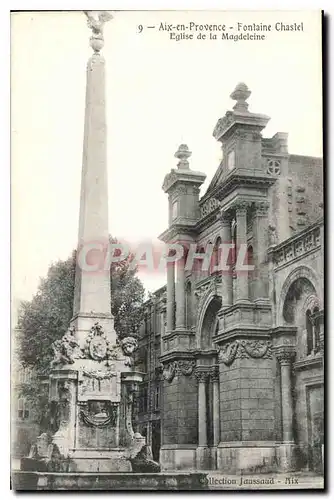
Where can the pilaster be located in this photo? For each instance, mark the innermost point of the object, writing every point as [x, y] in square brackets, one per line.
[226, 273]
[242, 277]
[260, 246]
[285, 355]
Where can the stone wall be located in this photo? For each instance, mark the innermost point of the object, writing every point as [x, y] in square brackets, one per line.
[180, 413]
[307, 172]
[247, 400]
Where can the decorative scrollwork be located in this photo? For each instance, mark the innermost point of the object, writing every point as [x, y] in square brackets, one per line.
[179, 367]
[245, 349]
[185, 366]
[209, 206]
[255, 348]
[66, 350]
[105, 414]
[222, 125]
[228, 352]
[169, 371]
[169, 180]
[97, 344]
[99, 374]
[203, 291]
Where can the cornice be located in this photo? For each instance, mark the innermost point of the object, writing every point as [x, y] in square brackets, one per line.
[284, 330]
[232, 119]
[182, 175]
[247, 306]
[235, 179]
[308, 363]
[242, 332]
[177, 333]
[177, 355]
[175, 230]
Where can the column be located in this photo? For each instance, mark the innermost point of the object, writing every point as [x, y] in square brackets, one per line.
[226, 274]
[180, 295]
[260, 246]
[285, 356]
[215, 386]
[241, 252]
[170, 296]
[202, 421]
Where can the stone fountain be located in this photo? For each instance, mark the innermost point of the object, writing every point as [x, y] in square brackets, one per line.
[92, 379]
[90, 443]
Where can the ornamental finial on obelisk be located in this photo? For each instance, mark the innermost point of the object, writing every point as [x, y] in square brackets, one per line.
[96, 20]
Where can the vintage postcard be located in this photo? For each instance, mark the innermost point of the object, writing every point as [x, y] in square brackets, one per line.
[167, 250]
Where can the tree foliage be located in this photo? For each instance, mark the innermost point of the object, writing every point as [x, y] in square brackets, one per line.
[46, 317]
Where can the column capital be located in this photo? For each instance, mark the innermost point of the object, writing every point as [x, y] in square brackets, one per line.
[261, 208]
[241, 206]
[285, 354]
[202, 374]
[214, 374]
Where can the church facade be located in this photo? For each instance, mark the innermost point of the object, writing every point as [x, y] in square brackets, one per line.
[233, 353]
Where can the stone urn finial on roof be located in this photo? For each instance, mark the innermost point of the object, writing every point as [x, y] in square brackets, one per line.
[183, 154]
[240, 94]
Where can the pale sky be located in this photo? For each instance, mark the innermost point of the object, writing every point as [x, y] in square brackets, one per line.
[160, 93]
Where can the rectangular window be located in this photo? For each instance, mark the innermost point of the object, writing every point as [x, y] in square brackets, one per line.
[142, 403]
[157, 398]
[23, 412]
[22, 409]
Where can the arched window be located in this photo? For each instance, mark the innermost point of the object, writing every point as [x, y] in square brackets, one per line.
[189, 319]
[309, 332]
[313, 330]
[316, 329]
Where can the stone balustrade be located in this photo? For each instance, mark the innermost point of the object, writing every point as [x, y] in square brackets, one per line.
[296, 246]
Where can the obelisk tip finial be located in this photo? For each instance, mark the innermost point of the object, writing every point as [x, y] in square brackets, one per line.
[95, 21]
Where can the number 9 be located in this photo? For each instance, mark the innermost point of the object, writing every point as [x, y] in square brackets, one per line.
[140, 28]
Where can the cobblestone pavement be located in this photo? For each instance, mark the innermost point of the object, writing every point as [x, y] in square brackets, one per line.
[289, 481]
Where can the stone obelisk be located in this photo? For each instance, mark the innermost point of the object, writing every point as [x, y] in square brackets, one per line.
[92, 381]
[92, 282]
